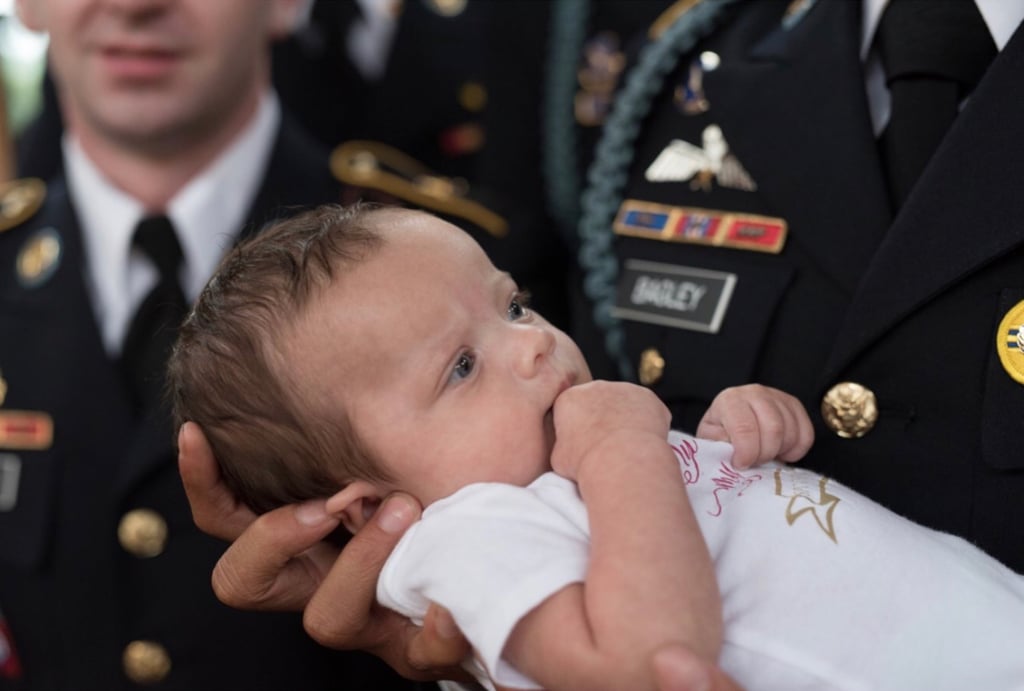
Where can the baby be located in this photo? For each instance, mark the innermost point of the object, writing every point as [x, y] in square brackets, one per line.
[357, 351]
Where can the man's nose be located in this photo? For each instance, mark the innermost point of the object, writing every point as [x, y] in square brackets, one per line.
[533, 345]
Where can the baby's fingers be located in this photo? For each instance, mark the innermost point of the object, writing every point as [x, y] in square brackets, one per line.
[761, 423]
[799, 432]
[732, 418]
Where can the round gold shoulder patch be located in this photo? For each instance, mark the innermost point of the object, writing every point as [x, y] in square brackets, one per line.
[19, 200]
[1010, 342]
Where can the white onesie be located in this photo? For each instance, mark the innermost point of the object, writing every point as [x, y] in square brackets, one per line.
[822, 588]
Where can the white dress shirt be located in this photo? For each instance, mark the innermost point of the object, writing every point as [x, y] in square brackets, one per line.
[207, 215]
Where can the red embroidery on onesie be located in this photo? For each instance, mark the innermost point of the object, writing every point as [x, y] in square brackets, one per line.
[729, 481]
[686, 452]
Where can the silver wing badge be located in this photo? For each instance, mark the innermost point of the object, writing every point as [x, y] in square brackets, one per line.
[702, 165]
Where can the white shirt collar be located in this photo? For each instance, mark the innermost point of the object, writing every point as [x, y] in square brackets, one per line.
[210, 211]
[207, 214]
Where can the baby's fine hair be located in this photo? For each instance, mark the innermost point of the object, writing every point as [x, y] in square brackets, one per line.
[227, 374]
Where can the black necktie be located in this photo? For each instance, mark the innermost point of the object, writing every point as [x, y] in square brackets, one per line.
[155, 324]
[934, 52]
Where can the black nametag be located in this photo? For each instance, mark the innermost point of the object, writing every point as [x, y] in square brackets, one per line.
[678, 296]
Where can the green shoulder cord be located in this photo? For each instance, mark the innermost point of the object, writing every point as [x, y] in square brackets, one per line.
[608, 174]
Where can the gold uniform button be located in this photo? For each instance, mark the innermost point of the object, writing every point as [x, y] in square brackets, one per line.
[652, 367]
[473, 96]
[142, 532]
[146, 662]
[850, 410]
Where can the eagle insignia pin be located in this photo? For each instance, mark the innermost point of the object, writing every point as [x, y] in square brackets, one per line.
[701, 165]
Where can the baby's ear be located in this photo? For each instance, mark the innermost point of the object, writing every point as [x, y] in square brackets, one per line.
[355, 504]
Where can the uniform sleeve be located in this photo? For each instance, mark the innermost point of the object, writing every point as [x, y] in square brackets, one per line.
[489, 554]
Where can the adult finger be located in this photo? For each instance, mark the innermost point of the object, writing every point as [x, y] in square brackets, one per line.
[215, 510]
[279, 561]
[439, 647]
[343, 612]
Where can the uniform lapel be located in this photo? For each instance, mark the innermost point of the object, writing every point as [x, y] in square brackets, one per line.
[298, 175]
[789, 115]
[55, 363]
[963, 213]
[55, 321]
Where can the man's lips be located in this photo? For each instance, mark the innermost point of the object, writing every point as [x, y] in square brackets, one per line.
[138, 63]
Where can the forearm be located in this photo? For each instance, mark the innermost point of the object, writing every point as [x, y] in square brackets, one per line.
[650, 579]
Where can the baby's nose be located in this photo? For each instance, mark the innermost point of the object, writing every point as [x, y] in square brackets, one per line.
[534, 344]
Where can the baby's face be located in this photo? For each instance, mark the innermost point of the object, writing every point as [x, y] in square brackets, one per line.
[448, 377]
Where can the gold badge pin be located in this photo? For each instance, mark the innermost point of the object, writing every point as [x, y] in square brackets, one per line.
[19, 200]
[39, 258]
[1010, 342]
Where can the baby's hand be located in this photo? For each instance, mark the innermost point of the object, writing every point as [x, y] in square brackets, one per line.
[590, 415]
[761, 423]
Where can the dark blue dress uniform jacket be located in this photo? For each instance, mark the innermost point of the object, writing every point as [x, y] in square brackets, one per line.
[907, 306]
[72, 597]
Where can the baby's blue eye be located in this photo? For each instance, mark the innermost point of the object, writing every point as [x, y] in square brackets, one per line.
[464, 366]
[519, 306]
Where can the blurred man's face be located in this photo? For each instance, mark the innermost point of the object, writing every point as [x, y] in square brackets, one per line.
[158, 74]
